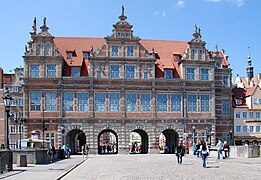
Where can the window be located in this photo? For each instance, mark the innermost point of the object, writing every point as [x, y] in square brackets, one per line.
[12, 129]
[193, 52]
[204, 102]
[68, 101]
[75, 72]
[131, 100]
[100, 102]
[244, 114]
[47, 49]
[257, 114]
[175, 102]
[251, 114]
[130, 51]
[258, 129]
[145, 102]
[115, 73]
[85, 55]
[200, 54]
[14, 88]
[35, 101]
[168, 74]
[237, 115]
[130, 71]
[50, 137]
[146, 75]
[255, 101]
[190, 74]
[251, 128]
[225, 107]
[34, 70]
[114, 50]
[50, 101]
[83, 101]
[218, 65]
[259, 101]
[114, 102]
[126, 35]
[69, 55]
[13, 102]
[238, 129]
[99, 74]
[204, 74]
[39, 48]
[192, 103]
[118, 35]
[225, 81]
[162, 102]
[51, 70]
[176, 57]
[20, 129]
[20, 102]
[239, 101]
[244, 128]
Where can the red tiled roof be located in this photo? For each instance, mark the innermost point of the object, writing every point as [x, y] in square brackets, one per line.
[250, 91]
[165, 51]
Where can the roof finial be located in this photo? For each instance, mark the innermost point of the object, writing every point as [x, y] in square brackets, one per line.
[44, 21]
[122, 10]
[196, 28]
[248, 52]
[34, 21]
[216, 48]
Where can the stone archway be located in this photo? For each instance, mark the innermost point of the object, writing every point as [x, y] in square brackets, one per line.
[72, 140]
[141, 144]
[168, 141]
[107, 142]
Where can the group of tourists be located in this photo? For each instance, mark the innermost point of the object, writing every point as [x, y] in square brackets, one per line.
[201, 149]
[64, 152]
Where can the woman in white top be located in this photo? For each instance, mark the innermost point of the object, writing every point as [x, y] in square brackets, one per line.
[204, 151]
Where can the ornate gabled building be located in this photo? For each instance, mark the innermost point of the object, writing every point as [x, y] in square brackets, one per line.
[122, 84]
[247, 107]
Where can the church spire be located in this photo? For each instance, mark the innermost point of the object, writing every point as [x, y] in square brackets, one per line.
[250, 68]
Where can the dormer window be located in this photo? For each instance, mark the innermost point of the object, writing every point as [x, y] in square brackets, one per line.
[75, 72]
[176, 57]
[69, 55]
[193, 52]
[126, 35]
[118, 35]
[47, 49]
[200, 54]
[85, 55]
[238, 101]
[168, 74]
[218, 65]
[39, 48]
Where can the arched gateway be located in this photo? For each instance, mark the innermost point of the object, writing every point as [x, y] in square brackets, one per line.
[75, 138]
[168, 141]
[139, 141]
[107, 142]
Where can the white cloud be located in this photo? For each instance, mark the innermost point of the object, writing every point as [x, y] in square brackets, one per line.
[180, 4]
[236, 2]
[160, 13]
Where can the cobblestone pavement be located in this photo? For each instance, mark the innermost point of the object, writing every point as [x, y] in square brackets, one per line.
[43, 171]
[164, 166]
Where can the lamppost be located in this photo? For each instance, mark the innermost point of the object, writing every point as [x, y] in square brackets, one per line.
[230, 135]
[206, 135]
[63, 131]
[20, 121]
[193, 133]
[7, 102]
[43, 128]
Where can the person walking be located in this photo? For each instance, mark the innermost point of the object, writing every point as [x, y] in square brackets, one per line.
[204, 151]
[219, 147]
[197, 148]
[226, 149]
[180, 152]
[53, 152]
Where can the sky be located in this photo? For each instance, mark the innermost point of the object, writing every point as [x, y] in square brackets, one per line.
[233, 25]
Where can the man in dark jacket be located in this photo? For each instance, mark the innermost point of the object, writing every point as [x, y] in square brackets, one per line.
[180, 152]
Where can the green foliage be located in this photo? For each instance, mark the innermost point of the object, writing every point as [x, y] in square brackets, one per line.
[2, 146]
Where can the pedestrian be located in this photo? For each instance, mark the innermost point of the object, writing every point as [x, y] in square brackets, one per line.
[49, 152]
[180, 152]
[53, 152]
[226, 149]
[219, 147]
[87, 151]
[204, 151]
[197, 148]
[83, 151]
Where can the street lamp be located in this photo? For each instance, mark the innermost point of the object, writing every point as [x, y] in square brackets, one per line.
[193, 133]
[230, 134]
[63, 131]
[20, 121]
[43, 128]
[7, 102]
[206, 135]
